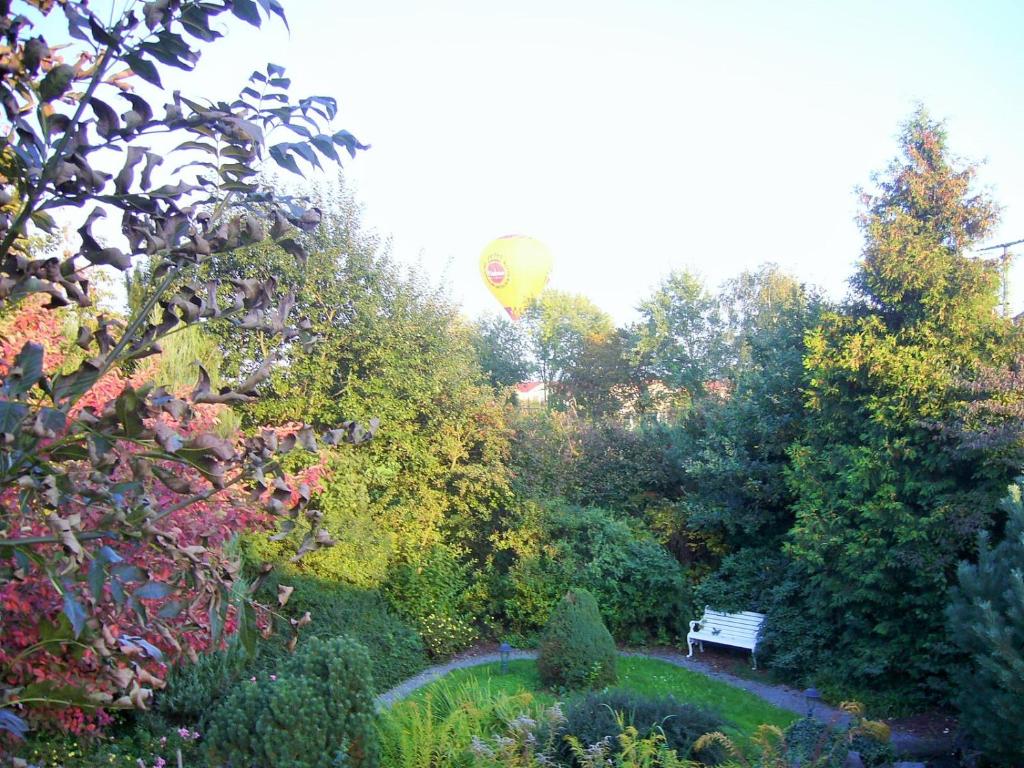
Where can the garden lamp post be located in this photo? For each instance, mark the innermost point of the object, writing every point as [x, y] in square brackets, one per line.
[812, 697]
[505, 650]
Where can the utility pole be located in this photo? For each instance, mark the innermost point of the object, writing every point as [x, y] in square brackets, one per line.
[1004, 267]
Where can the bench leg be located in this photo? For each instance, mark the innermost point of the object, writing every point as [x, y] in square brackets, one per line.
[701, 642]
[689, 644]
[753, 659]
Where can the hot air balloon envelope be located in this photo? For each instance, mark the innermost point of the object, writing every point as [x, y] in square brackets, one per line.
[515, 269]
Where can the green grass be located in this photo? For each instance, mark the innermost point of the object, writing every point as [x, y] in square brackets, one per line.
[649, 676]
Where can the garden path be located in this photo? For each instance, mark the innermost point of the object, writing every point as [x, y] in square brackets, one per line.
[781, 696]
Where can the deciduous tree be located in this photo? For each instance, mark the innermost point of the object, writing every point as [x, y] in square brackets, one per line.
[94, 466]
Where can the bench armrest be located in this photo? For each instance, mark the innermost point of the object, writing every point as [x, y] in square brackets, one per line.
[695, 626]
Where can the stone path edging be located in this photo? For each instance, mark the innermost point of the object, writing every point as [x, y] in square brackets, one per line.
[781, 696]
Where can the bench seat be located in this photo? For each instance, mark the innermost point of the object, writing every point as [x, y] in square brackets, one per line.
[740, 630]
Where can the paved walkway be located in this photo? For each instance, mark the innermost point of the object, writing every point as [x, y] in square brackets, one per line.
[780, 695]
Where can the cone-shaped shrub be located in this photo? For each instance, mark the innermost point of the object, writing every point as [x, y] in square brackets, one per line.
[576, 649]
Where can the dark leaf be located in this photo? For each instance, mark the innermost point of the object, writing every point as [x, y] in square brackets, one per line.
[100, 33]
[349, 142]
[109, 555]
[128, 573]
[75, 384]
[273, 6]
[154, 13]
[97, 577]
[11, 416]
[287, 526]
[247, 629]
[124, 179]
[128, 407]
[326, 145]
[56, 83]
[27, 370]
[170, 609]
[153, 590]
[247, 11]
[217, 614]
[74, 611]
[293, 247]
[117, 592]
[144, 69]
[107, 123]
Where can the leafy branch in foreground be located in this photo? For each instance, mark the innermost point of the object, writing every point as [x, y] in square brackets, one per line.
[103, 479]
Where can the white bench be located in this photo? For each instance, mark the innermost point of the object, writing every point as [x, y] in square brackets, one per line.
[740, 630]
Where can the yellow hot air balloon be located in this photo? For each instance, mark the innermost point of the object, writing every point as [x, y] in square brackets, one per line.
[515, 269]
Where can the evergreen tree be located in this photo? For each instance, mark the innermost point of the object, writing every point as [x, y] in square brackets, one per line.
[986, 620]
[885, 505]
[576, 650]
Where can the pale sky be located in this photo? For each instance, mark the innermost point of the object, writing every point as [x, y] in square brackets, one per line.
[638, 137]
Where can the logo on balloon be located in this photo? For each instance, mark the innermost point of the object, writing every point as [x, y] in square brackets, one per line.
[496, 274]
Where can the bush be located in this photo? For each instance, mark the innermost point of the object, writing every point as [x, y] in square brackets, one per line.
[745, 580]
[986, 619]
[194, 689]
[395, 648]
[319, 713]
[623, 469]
[639, 585]
[576, 649]
[430, 593]
[595, 716]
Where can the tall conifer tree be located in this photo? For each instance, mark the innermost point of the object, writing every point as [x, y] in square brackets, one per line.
[885, 506]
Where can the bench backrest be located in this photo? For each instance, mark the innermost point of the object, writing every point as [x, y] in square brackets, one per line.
[746, 624]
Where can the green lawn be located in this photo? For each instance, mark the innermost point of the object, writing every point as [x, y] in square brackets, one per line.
[745, 710]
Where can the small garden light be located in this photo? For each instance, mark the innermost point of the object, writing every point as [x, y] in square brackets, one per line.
[505, 650]
[812, 697]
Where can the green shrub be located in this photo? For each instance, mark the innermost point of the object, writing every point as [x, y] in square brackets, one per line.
[745, 580]
[395, 648]
[595, 716]
[576, 649]
[317, 713]
[194, 689]
[986, 619]
[430, 593]
[623, 469]
[640, 586]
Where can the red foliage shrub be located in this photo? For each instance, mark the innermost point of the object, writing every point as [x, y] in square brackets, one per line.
[38, 653]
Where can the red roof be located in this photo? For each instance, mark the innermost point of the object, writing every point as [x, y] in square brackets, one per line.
[528, 386]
